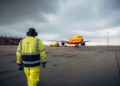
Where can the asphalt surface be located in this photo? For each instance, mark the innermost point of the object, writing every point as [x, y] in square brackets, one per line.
[67, 66]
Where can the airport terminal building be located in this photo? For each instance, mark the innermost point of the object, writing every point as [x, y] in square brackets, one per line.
[4, 40]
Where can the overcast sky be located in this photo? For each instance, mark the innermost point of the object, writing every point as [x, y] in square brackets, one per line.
[60, 19]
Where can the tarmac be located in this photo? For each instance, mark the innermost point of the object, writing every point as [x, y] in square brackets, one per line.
[67, 66]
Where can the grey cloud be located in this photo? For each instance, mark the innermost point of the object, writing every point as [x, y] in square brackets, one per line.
[81, 17]
[12, 11]
[90, 12]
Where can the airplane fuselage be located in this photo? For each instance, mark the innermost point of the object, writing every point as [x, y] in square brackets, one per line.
[75, 40]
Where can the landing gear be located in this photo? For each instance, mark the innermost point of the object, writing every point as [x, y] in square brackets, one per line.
[77, 45]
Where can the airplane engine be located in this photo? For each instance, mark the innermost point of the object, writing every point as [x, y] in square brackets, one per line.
[83, 44]
[63, 44]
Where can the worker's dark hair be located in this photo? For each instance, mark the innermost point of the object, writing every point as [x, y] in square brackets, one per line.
[31, 32]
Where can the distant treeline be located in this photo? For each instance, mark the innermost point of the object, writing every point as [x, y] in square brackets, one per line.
[4, 40]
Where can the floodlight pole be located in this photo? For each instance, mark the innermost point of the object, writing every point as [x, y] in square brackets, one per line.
[108, 39]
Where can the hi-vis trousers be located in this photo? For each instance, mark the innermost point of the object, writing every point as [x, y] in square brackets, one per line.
[32, 75]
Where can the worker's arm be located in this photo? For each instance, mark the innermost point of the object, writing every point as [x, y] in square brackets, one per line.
[42, 52]
[18, 53]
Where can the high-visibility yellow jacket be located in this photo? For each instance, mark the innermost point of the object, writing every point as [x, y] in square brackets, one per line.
[30, 52]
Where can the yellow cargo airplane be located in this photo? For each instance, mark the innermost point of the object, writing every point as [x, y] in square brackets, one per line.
[75, 40]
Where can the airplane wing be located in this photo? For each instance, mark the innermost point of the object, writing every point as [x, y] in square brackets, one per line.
[87, 41]
[58, 41]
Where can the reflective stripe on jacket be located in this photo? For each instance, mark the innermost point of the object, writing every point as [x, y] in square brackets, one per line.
[30, 51]
[31, 60]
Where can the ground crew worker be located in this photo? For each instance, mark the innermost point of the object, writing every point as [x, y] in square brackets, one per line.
[30, 54]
